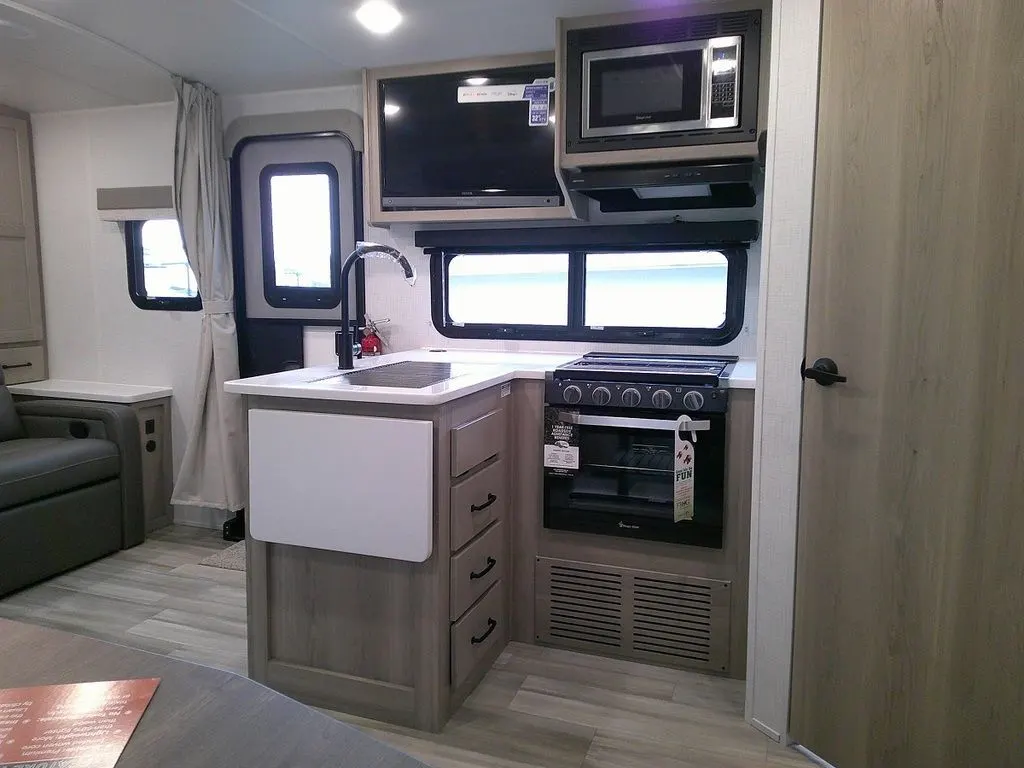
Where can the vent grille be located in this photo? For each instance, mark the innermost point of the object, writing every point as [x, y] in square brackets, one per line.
[672, 619]
[676, 620]
[585, 606]
[738, 23]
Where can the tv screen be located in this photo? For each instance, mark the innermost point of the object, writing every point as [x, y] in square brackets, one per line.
[433, 146]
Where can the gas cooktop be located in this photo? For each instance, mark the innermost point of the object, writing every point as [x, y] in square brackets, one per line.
[678, 383]
[670, 369]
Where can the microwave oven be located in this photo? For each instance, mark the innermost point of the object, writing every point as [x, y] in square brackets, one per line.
[673, 82]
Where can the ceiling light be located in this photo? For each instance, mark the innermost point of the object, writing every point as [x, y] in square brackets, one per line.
[477, 80]
[378, 16]
[390, 110]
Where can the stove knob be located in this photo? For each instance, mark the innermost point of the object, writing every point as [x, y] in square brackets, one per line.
[693, 401]
[631, 398]
[602, 396]
[662, 399]
[572, 394]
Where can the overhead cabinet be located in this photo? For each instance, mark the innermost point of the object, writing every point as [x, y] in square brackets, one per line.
[22, 353]
[469, 140]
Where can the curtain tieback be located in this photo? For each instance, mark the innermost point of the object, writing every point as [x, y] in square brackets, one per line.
[215, 307]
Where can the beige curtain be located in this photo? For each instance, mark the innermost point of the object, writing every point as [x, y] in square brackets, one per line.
[213, 472]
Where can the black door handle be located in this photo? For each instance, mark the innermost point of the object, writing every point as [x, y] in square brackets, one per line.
[491, 498]
[491, 624]
[491, 562]
[824, 371]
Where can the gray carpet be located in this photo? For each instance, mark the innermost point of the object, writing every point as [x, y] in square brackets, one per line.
[232, 558]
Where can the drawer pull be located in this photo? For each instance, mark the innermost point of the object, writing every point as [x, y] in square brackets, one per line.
[12, 366]
[491, 498]
[491, 625]
[491, 562]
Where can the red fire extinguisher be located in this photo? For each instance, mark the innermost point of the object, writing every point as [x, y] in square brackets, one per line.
[372, 344]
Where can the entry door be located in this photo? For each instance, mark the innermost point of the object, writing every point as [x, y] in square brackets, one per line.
[909, 640]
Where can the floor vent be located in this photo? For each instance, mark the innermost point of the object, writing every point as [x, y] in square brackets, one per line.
[676, 620]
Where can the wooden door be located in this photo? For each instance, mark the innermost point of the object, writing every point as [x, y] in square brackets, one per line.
[909, 639]
[21, 305]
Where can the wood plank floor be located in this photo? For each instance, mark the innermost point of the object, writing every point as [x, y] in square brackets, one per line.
[538, 706]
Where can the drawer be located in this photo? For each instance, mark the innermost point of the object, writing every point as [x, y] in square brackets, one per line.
[475, 442]
[477, 502]
[21, 364]
[476, 568]
[477, 634]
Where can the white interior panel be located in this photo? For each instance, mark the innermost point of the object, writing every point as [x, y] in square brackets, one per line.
[360, 485]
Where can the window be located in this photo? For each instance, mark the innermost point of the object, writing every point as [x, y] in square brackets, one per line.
[662, 296]
[503, 289]
[159, 276]
[301, 237]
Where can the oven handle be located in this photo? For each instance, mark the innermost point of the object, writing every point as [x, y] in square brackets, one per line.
[586, 420]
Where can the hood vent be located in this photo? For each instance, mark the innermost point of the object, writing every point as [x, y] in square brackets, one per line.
[667, 187]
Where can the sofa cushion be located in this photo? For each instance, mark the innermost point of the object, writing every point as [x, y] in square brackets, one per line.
[10, 424]
[33, 469]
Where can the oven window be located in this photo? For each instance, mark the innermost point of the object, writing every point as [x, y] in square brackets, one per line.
[670, 289]
[625, 485]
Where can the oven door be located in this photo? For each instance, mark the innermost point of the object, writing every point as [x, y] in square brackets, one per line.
[624, 485]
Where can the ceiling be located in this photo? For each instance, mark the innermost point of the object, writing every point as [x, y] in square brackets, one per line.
[75, 54]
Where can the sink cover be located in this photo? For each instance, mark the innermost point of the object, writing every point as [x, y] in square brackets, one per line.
[408, 375]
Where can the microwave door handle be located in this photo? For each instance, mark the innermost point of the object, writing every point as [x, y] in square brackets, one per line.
[587, 420]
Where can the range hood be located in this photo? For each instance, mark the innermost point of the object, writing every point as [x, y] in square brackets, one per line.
[667, 186]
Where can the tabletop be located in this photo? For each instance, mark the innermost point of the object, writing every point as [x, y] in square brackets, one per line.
[199, 716]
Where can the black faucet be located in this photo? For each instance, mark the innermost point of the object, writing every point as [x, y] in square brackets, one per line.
[345, 341]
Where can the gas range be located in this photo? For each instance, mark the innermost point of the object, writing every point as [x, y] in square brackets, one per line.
[672, 383]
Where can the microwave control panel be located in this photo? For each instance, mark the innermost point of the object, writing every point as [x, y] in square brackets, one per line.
[724, 85]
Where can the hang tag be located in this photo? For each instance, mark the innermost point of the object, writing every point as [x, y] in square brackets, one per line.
[561, 443]
[685, 459]
[540, 103]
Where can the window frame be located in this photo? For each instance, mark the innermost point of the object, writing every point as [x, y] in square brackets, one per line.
[576, 331]
[288, 297]
[135, 251]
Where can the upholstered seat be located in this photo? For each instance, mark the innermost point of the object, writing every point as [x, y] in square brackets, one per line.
[32, 469]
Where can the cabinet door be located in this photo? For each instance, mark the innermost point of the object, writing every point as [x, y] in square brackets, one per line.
[21, 305]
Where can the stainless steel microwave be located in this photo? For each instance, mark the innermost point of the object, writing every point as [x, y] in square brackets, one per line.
[667, 82]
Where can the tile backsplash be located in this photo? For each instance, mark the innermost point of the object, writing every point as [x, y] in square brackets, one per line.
[410, 327]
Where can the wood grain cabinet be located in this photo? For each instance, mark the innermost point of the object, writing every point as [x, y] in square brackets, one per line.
[22, 355]
[393, 640]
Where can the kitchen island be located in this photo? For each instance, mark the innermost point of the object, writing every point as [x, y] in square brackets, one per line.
[383, 514]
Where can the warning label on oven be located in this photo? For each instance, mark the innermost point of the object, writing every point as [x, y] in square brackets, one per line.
[561, 442]
[684, 469]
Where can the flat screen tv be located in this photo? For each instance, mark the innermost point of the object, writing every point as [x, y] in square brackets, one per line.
[484, 148]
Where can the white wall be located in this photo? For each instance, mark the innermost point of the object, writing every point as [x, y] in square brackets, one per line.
[389, 296]
[93, 329]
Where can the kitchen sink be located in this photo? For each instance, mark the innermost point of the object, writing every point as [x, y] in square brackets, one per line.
[410, 374]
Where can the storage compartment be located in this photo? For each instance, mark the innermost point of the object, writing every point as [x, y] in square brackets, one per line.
[478, 634]
[476, 568]
[23, 364]
[643, 615]
[477, 502]
[476, 442]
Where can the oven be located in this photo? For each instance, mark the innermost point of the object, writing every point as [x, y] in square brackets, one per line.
[621, 477]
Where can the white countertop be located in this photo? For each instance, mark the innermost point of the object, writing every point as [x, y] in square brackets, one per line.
[95, 391]
[472, 371]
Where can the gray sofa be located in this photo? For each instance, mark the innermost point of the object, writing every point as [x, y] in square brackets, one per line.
[70, 486]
